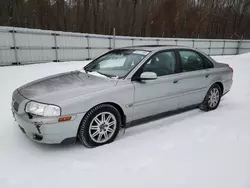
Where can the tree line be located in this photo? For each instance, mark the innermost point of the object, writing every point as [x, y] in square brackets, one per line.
[150, 18]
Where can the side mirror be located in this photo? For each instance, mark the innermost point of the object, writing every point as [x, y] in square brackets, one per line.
[148, 76]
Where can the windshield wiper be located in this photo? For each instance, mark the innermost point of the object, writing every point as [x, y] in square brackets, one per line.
[107, 75]
[89, 68]
[86, 70]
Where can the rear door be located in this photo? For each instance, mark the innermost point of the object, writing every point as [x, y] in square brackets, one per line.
[192, 79]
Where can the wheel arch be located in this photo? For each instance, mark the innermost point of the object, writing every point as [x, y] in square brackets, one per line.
[220, 85]
[203, 105]
[81, 129]
[117, 106]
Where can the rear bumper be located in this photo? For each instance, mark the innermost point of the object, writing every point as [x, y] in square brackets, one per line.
[227, 86]
[49, 131]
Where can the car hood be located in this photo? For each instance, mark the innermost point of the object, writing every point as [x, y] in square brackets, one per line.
[58, 88]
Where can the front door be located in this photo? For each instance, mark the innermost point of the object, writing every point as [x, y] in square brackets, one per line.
[160, 95]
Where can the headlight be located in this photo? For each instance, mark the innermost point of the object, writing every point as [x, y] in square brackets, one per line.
[42, 109]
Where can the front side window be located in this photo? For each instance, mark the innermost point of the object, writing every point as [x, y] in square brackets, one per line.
[117, 63]
[162, 63]
[191, 61]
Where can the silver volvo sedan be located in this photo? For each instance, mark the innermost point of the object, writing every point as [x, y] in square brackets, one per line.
[115, 89]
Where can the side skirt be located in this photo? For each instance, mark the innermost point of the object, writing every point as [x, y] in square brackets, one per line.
[160, 116]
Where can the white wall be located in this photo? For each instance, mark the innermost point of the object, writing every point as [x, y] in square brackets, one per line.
[24, 46]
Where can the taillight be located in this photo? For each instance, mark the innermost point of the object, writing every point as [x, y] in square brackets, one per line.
[232, 69]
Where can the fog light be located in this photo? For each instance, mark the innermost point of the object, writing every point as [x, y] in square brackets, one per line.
[64, 119]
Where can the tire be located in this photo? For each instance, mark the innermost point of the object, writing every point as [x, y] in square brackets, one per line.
[212, 100]
[93, 125]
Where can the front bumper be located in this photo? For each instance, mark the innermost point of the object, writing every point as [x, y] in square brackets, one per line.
[48, 130]
[44, 129]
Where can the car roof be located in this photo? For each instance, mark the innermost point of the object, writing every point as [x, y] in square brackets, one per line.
[156, 47]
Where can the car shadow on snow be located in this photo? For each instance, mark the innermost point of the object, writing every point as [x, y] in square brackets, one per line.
[159, 121]
[135, 128]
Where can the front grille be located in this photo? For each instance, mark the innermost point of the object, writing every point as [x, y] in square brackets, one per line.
[15, 105]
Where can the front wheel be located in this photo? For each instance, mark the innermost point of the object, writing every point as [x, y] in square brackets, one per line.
[212, 99]
[100, 126]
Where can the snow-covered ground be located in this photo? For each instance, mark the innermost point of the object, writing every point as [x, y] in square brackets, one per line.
[193, 149]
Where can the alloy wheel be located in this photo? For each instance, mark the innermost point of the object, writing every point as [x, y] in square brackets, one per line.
[102, 127]
[214, 97]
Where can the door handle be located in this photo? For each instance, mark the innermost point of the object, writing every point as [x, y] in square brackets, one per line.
[175, 81]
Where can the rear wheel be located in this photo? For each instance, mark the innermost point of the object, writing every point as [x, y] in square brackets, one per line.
[212, 99]
[100, 126]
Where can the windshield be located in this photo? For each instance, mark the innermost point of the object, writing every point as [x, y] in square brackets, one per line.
[116, 63]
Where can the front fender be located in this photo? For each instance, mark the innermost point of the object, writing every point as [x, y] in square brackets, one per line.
[122, 95]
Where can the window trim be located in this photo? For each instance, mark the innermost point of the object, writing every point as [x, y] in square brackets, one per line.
[177, 66]
[199, 54]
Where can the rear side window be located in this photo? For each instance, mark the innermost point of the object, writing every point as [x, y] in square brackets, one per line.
[208, 64]
[191, 61]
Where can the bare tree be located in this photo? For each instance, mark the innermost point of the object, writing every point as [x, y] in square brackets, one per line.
[158, 18]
